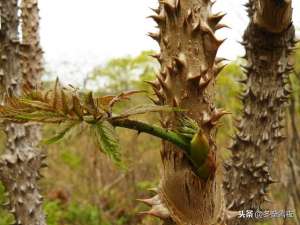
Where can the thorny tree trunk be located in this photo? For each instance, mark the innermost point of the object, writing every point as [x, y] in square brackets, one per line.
[20, 165]
[269, 41]
[32, 54]
[188, 71]
[293, 165]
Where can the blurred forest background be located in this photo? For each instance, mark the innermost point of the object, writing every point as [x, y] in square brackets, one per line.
[82, 187]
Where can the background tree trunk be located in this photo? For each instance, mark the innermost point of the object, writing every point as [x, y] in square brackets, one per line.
[20, 165]
[32, 54]
[188, 71]
[269, 41]
[292, 172]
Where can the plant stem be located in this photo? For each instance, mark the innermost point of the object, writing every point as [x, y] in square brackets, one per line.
[159, 132]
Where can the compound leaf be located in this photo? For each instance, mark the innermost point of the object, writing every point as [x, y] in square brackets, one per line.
[108, 141]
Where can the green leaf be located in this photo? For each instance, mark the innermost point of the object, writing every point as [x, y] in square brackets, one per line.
[141, 109]
[188, 127]
[60, 135]
[187, 122]
[41, 116]
[108, 141]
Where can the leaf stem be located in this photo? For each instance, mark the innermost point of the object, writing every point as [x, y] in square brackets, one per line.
[156, 131]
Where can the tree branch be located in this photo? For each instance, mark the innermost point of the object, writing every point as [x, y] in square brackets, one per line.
[156, 131]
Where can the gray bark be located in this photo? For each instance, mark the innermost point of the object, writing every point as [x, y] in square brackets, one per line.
[21, 163]
[269, 41]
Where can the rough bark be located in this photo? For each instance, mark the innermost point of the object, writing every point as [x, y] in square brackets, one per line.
[31, 51]
[188, 71]
[293, 165]
[269, 41]
[21, 163]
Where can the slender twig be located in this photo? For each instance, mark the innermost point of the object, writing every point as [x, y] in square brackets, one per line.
[156, 131]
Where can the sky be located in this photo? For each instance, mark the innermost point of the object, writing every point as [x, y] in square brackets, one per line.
[77, 35]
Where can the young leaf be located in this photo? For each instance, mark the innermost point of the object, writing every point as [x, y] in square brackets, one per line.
[77, 107]
[102, 102]
[92, 106]
[188, 127]
[107, 102]
[32, 93]
[38, 116]
[56, 94]
[61, 134]
[141, 109]
[36, 104]
[108, 141]
[65, 102]
[123, 96]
